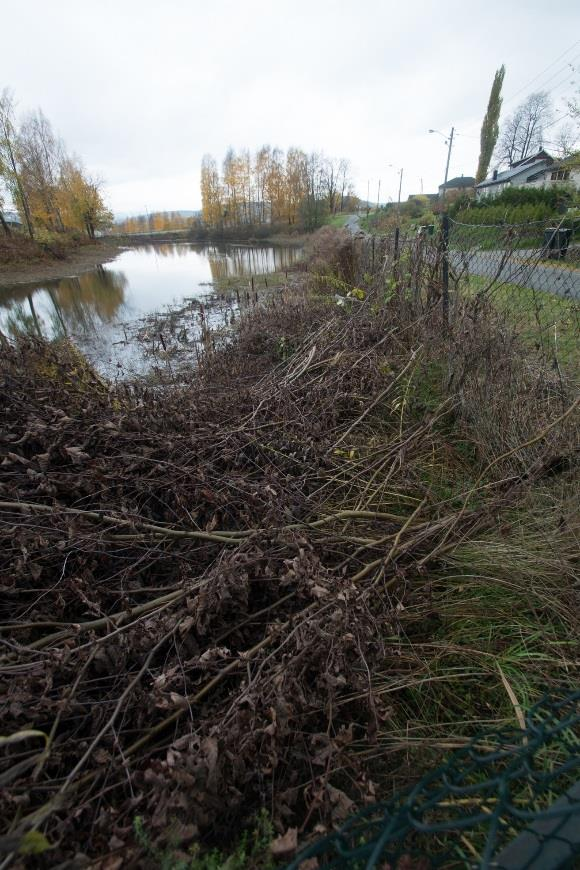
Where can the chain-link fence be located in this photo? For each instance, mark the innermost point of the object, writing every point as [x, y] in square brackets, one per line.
[528, 275]
[508, 799]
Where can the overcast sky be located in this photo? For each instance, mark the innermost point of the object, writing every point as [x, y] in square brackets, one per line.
[141, 90]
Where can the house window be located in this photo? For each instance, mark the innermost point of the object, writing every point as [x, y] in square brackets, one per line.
[560, 175]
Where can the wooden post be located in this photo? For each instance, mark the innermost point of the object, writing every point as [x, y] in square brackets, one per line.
[445, 268]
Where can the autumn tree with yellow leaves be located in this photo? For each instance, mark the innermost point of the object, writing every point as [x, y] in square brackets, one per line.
[295, 188]
[155, 222]
[80, 202]
[50, 189]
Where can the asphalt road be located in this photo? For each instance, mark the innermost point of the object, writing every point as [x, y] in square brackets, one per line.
[353, 224]
[523, 270]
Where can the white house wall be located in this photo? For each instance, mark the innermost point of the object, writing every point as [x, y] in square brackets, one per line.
[519, 180]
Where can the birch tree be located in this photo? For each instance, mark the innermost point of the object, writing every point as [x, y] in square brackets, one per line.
[10, 158]
[41, 155]
[523, 132]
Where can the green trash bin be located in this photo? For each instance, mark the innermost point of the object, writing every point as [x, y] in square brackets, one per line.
[556, 242]
[426, 229]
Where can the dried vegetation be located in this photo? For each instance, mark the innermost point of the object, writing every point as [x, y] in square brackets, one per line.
[279, 587]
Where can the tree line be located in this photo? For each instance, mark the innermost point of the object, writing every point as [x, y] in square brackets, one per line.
[270, 186]
[49, 187]
[154, 222]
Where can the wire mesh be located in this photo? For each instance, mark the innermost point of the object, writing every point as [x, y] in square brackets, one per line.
[508, 799]
[527, 275]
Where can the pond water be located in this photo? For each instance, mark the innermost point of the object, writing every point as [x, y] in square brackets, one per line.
[100, 309]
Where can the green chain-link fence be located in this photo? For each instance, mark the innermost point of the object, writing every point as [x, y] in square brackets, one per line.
[509, 799]
[527, 275]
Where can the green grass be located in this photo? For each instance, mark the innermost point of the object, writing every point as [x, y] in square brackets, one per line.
[243, 283]
[499, 602]
[252, 851]
[544, 321]
[336, 220]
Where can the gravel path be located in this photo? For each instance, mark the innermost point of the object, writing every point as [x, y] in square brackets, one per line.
[353, 224]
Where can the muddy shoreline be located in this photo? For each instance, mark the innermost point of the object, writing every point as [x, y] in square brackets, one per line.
[87, 257]
[81, 260]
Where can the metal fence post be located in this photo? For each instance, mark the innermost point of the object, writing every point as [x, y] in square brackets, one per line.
[396, 256]
[445, 269]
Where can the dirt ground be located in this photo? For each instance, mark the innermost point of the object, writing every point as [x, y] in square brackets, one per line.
[80, 260]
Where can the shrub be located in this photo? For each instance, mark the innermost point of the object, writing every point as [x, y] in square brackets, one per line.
[330, 250]
[514, 205]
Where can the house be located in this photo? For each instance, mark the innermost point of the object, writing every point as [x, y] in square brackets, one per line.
[530, 170]
[461, 183]
[12, 219]
[560, 173]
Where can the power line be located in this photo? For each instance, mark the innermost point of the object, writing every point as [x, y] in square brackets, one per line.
[542, 85]
[540, 74]
[568, 67]
[557, 120]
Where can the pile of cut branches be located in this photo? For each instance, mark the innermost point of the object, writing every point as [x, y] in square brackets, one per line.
[199, 582]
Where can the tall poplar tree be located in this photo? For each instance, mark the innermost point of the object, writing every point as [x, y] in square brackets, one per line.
[490, 126]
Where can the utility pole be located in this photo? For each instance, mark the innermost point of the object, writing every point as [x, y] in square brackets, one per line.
[378, 194]
[448, 159]
[400, 186]
[449, 143]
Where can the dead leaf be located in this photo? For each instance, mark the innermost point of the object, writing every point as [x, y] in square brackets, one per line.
[342, 806]
[77, 455]
[285, 845]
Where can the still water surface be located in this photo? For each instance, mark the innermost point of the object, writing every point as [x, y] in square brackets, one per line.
[96, 308]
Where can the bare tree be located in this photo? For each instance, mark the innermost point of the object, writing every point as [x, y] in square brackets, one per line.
[522, 133]
[9, 157]
[330, 170]
[41, 154]
[344, 179]
[565, 140]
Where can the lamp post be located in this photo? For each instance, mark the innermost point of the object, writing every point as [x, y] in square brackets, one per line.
[400, 186]
[400, 171]
[449, 140]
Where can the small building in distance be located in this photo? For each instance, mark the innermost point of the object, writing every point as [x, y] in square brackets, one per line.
[12, 219]
[460, 184]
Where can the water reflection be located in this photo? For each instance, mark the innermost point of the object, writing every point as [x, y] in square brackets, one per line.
[66, 307]
[249, 260]
[92, 308]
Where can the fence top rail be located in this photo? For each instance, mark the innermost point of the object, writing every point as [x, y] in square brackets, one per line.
[505, 226]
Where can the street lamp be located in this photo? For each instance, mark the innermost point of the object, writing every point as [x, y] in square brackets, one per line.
[400, 171]
[449, 142]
